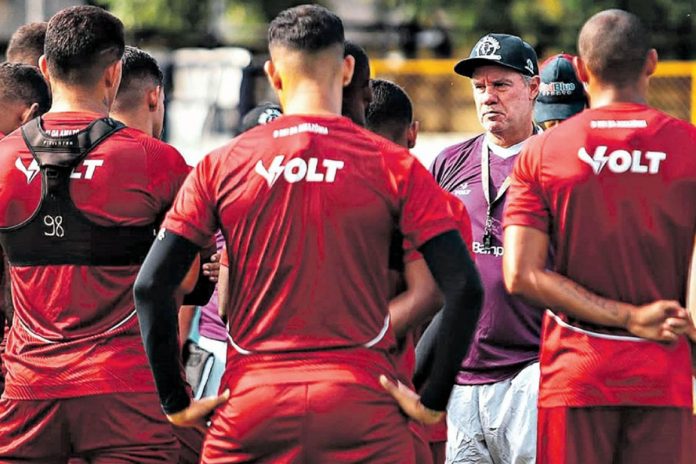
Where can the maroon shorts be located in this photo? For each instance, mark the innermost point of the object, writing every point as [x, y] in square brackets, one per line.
[338, 414]
[615, 435]
[190, 444]
[101, 429]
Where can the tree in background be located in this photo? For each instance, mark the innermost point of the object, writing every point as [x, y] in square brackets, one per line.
[550, 25]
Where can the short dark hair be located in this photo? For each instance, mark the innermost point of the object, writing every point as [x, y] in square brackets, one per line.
[614, 45]
[24, 83]
[309, 28]
[81, 42]
[391, 108]
[139, 67]
[27, 44]
[362, 62]
[139, 64]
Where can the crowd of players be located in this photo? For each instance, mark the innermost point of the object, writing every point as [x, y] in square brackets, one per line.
[567, 341]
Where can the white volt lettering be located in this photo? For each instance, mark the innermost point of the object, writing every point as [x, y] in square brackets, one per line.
[298, 169]
[84, 171]
[621, 161]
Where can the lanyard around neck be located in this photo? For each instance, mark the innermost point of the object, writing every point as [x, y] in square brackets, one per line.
[486, 177]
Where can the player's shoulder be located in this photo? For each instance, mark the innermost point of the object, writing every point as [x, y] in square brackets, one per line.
[150, 147]
[12, 142]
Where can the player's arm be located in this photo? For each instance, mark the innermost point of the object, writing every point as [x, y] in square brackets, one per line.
[160, 277]
[526, 276]
[419, 302]
[458, 280]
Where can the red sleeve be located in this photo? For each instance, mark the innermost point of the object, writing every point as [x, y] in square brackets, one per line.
[193, 215]
[424, 209]
[525, 200]
[410, 252]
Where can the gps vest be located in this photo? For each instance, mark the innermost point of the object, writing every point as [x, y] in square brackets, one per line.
[58, 233]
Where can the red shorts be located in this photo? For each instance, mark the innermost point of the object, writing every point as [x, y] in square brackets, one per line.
[324, 412]
[616, 434]
[101, 429]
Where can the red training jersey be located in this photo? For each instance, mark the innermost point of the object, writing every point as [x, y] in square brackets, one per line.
[615, 189]
[307, 205]
[75, 331]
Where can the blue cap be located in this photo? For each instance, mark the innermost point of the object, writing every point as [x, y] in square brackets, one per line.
[561, 94]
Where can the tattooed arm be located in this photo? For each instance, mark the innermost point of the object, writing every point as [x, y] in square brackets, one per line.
[525, 276]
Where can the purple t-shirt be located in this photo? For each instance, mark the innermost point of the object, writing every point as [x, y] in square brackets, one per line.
[210, 325]
[507, 335]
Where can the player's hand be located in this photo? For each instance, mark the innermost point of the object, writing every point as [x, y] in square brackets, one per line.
[410, 403]
[196, 415]
[212, 269]
[662, 321]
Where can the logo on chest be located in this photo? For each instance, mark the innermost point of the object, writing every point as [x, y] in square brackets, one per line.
[462, 189]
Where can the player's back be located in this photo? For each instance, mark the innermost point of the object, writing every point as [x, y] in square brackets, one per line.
[615, 188]
[75, 328]
[307, 206]
[621, 186]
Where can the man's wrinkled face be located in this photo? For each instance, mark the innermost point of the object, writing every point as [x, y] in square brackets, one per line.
[504, 101]
[357, 96]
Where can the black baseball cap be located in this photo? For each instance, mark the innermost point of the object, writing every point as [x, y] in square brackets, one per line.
[500, 49]
[260, 115]
[561, 94]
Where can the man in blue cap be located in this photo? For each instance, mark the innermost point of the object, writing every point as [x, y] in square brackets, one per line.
[561, 94]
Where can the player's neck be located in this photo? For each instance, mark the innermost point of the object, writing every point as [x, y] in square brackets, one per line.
[135, 119]
[603, 95]
[511, 137]
[312, 99]
[79, 100]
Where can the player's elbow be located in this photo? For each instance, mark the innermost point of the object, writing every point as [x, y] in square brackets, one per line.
[518, 281]
[145, 286]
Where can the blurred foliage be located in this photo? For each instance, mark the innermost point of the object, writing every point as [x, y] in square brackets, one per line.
[550, 25]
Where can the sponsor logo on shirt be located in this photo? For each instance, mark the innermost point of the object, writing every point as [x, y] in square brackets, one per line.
[462, 189]
[621, 161]
[620, 124]
[84, 171]
[298, 169]
[479, 249]
[305, 127]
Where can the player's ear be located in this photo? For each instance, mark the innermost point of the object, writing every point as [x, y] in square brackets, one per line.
[348, 68]
[412, 134]
[650, 62]
[153, 97]
[43, 67]
[30, 113]
[273, 75]
[580, 69]
[112, 75]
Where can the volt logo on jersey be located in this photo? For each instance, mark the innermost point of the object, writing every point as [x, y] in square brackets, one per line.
[298, 169]
[621, 161]
[87, 172]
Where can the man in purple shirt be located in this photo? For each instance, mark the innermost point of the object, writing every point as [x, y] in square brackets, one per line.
[491, 415]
